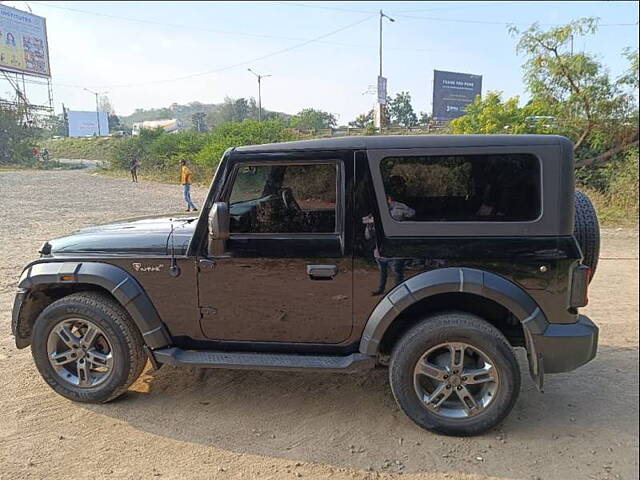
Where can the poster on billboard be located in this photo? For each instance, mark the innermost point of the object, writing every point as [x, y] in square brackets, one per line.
[452, 92]
[23, 42]
[87, 124]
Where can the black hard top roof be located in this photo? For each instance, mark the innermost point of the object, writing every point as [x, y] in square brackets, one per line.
[405, 141]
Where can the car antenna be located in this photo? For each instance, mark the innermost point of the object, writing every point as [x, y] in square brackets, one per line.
[174, 269]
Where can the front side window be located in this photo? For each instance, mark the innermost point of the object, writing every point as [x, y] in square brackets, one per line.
[462, 188]
[291, 198]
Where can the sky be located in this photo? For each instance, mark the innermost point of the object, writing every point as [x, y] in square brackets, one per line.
[322, 55]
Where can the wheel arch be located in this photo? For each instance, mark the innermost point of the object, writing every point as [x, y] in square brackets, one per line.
[454, 281]
[483, 307]
[43, 283]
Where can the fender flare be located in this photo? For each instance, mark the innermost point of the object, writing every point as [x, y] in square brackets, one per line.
[126, 290]
[458, 279]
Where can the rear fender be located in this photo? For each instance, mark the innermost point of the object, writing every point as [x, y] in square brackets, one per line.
[467, 280]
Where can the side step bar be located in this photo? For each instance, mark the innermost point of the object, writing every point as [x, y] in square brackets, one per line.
[263, 361]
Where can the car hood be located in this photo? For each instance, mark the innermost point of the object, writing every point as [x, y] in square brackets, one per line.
[138, 236]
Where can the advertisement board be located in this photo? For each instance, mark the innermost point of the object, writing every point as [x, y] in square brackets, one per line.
[382, 90]
[83, 124]
[452, 92]
[23, 42]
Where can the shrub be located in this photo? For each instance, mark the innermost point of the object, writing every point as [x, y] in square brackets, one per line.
[16, 140]
[235, 134]
[613, 188]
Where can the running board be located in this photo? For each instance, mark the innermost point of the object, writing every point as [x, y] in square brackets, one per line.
[263, 361]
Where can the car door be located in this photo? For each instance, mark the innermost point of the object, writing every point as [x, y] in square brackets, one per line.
[286, 274]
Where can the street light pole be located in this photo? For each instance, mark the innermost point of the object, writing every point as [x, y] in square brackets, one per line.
[260, 77]
[380, 104]
[97, 107]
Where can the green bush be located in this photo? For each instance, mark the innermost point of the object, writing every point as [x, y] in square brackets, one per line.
[171, 148]
[16, 141]
[613, 188]
[237, 134]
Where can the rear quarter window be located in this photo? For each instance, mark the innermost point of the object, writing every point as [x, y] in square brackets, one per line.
[463, 188]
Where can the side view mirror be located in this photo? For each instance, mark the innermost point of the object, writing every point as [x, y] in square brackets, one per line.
[218, 228]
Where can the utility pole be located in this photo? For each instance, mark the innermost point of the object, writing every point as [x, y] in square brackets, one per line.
[260, 77]
[382, 82]
[571, 44]
[97, 107]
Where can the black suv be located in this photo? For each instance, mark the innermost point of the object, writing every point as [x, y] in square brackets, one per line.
[432, 255]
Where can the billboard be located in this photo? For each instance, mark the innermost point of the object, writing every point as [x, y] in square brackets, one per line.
[83, 124]
[452, 92]
[23, 42]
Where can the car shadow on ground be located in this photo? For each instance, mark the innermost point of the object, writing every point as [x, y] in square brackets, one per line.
[353, 420]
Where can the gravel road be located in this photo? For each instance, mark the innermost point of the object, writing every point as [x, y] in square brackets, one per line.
[185, 423]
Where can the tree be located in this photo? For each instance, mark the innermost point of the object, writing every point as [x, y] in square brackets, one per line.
[599, 114]
[401, 111]
[363, 120]
[231, 110]
[311, 119]
[16, 138]
[114, 122]
[198, 121]
[425, 118]
[493, 115]
[104, 105]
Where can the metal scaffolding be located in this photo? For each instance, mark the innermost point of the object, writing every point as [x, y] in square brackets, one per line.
[23, 87]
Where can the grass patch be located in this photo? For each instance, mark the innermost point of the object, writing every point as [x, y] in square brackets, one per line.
[92, 148]
[614, 209]
[201, 176]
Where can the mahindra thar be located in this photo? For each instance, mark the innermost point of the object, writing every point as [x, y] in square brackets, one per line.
[434, 256]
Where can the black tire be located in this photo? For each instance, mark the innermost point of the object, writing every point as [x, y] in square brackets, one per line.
[126, 343]
[587, 231]
[454, 327]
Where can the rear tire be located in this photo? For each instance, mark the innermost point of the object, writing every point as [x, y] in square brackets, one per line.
[587, 231]
[85, 367]
[481, 344]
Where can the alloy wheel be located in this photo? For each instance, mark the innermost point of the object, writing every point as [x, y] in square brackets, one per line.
[456, 380]
[80, 352]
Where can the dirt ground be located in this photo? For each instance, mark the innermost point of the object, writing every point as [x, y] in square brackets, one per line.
[182, 423]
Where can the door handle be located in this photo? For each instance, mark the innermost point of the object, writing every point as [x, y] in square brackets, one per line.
[206, 262]
[322, 272]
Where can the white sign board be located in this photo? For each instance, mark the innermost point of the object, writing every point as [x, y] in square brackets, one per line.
[382, 90]
[83, 124]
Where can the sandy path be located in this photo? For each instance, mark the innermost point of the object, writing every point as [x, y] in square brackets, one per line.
[181, 423]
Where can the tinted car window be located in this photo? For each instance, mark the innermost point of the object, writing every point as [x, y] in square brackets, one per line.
[463, 188]
[284, 199]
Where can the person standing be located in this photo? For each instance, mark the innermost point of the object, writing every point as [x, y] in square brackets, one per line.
[133, 166]
[185, 179]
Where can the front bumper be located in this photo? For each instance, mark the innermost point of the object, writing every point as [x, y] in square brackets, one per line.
[565, 347]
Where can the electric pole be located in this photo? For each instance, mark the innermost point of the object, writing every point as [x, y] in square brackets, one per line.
[259, 77]
[382, 82]
[97, 107]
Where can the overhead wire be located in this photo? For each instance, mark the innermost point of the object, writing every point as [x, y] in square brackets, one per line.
[235, 65]
[437, 19]
[303, 42]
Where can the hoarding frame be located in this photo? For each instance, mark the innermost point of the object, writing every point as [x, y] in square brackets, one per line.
[24, 71]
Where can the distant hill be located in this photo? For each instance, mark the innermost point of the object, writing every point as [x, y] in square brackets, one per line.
[229, 110]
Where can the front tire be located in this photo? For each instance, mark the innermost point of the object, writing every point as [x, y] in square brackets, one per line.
[454, 374]
[86, 347]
